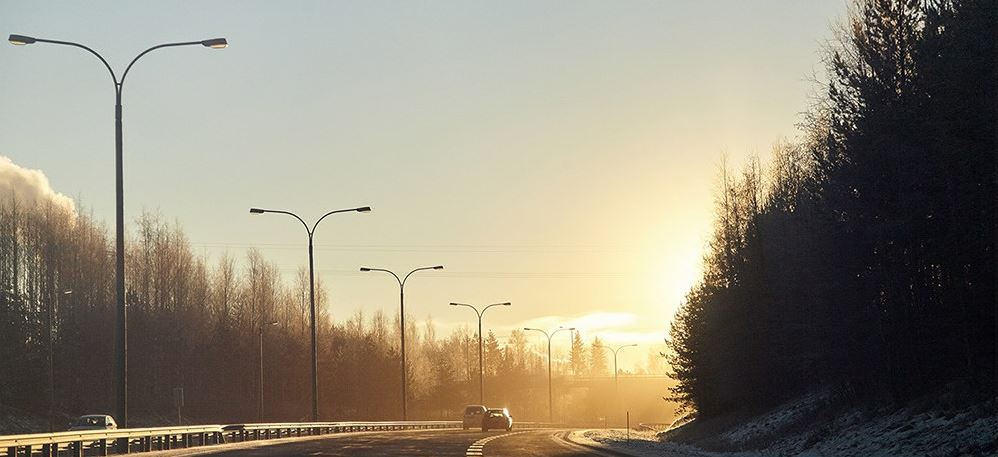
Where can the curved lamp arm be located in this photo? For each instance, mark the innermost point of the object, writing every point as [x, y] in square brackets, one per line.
[147, 51]
[539, 330]
[469, 306]
[20, 40]
[627, 346]
[571, 329]
[495, 304]
[617, 349]
[363, 209]
[365, 269]
[278, 211]
[435, 267]
[309, 230]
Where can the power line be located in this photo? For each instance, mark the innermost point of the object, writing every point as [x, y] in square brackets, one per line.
[492, 274]
[459, 248]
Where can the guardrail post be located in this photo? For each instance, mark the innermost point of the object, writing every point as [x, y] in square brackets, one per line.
[102, 447]
[78, 448]
[121, 446]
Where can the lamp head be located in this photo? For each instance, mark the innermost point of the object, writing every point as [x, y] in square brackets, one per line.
[272, 323]
[67, 292]
[365, 209]
[20, 40]
[438, 267]
[256, 211]
[365, 269]
[506, 304]
[215, 43]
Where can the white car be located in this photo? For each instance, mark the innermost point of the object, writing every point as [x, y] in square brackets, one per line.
[94, 422]
[497, 418]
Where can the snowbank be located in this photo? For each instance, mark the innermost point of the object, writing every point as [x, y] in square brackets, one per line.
[806, 428]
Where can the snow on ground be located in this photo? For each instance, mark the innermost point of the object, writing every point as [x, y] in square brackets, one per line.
[793, 430]
[967, 432]
[641, 443]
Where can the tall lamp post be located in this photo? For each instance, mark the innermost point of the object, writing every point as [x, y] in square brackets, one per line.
[50, 318]
[481, 367]
[550, 390]
[405, 414]
[616, 388]
[311, 291]
[262, 327]
[121, 336]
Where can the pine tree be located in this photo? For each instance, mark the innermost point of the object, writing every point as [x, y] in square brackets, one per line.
[577, 358]
[597, 358]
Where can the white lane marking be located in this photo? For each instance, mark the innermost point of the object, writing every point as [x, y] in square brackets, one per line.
[477, 448]
[562, 439]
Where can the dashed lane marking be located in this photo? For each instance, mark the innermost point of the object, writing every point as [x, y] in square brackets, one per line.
[477, 448]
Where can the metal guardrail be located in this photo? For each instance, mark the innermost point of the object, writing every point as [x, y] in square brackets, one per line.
[245, 432]
[124, 441]
[102, 442]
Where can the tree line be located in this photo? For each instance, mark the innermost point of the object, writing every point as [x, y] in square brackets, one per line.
[863, 257]
[197, 325]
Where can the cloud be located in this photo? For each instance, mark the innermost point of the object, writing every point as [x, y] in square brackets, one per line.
[588, 323]
[30, 187]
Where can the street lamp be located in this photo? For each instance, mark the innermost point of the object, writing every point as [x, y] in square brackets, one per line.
[405, 414]
[481, 367]
[121, 336]
[49, 317]
[550, 390]
[262, 327]
[311, 291]
[616, 389]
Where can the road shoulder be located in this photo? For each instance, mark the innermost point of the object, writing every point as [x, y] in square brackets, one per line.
[608, 444]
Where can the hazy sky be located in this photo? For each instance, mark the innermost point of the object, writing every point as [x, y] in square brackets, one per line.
[558, 155]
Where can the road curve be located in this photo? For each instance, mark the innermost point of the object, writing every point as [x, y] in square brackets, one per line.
[546, 443]
[438, 443]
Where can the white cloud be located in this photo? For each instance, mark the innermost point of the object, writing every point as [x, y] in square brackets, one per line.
[588, 323]
[30, 187]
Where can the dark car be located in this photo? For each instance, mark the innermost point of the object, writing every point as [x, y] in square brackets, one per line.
[473, 415]
[497, 418]
[94, 422]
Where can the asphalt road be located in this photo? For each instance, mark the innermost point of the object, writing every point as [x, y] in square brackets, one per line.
[518, 443]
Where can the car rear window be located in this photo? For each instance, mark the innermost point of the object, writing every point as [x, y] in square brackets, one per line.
[472, 410]
[89, 421]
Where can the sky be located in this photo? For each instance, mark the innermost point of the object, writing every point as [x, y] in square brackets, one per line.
[559, 155]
